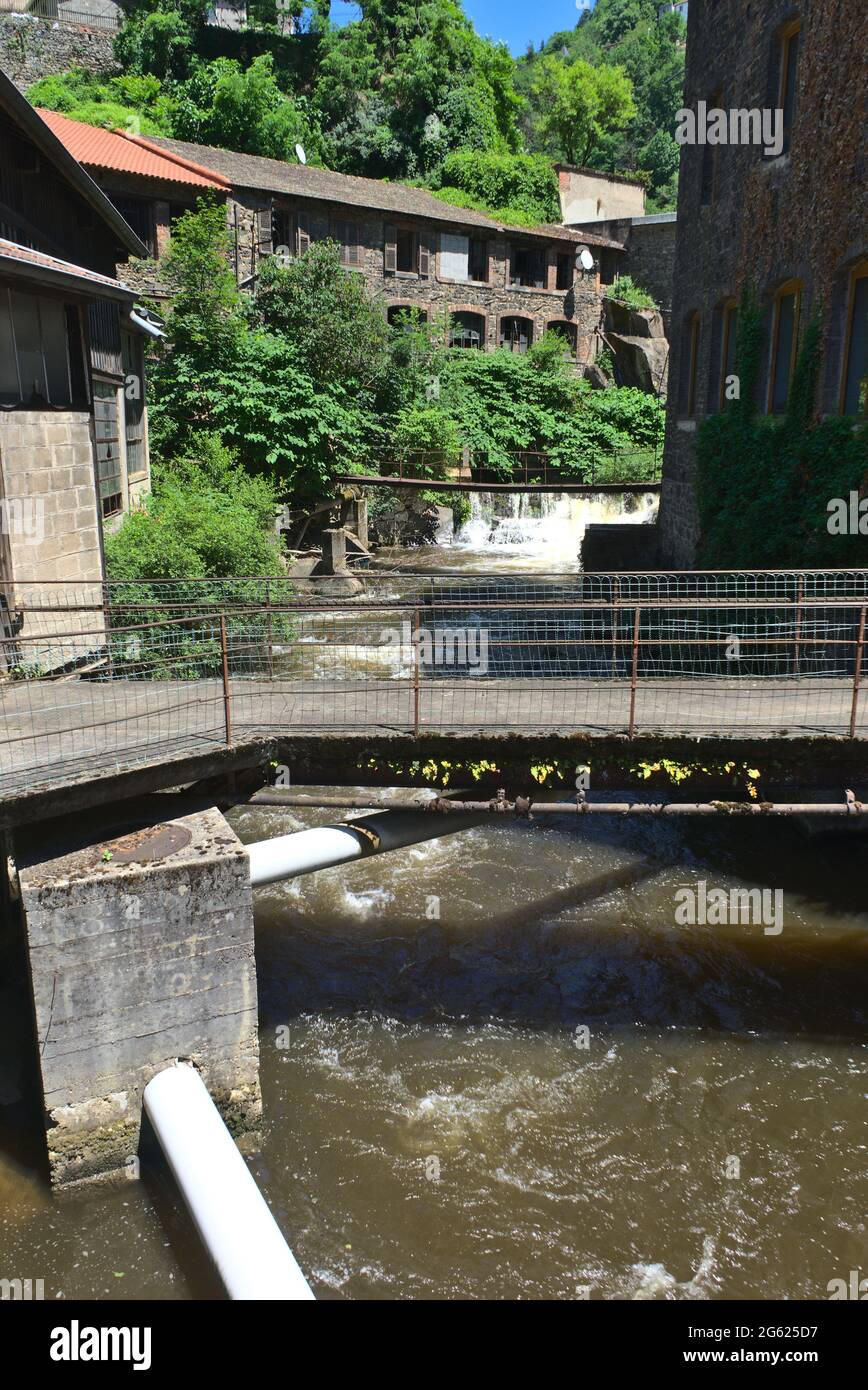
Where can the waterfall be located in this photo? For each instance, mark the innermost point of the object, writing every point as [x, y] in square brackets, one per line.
[549, 524]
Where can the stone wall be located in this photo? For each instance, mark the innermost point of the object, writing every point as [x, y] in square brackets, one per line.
[247, 216]
[141, 953]
[32, 48]
[745, 219]
[649, 256]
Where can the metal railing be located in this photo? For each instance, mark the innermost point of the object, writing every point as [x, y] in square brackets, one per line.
[528, 467]
[92, 14]
[103, 677]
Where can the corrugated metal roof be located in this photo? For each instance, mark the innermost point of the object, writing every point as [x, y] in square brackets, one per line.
[97, 148]
[13, 251]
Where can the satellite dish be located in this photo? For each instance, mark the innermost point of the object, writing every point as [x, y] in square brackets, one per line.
[302, 157]
[584, 257]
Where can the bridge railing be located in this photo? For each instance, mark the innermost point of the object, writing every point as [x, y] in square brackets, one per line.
[529, 467]
[96, 682]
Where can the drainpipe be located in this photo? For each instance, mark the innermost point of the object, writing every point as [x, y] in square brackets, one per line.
[287, 856]
[229, 1212]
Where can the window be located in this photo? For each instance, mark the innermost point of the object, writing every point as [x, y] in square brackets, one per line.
[728, 341]
[689, 365]
[405, 251]
[41, 353]
[564, 271]
[568, 332]
[346, 234]
[468, 331]
[785, 340]
[282, 231]
[527, 267]
[109, 465]
[463, 258]
[134, 404]
[710, 157]
[139, 214]
[406, 316]
[516, 334]
[854, 383]
[789, 65]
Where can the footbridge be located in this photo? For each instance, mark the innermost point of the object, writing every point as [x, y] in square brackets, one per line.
[111, 689]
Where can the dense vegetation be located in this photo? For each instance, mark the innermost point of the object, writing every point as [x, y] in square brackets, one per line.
[254, 397]
[408, 91]
[764, 484]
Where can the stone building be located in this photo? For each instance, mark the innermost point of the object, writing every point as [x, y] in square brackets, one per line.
[504, 286]
[792, 224]
[73, 421]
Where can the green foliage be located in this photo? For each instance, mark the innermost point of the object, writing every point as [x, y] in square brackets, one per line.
[628, 292]
[426, 429]
[650, 48]
[764, 485]
[243, 109]
[127, 102]
[160, 40]
[517, 188]
[576, 104]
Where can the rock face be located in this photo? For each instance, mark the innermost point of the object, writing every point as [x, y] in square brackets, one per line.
[413, 522]
[639, 344]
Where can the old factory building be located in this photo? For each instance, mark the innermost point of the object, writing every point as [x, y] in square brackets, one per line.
[787, 220]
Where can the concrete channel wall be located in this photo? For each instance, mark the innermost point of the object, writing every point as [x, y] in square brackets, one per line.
[141, 953]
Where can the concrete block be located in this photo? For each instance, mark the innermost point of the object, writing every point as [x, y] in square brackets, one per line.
[141, 952]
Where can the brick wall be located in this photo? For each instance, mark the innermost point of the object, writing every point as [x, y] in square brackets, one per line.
[32, 48]
[764, 221]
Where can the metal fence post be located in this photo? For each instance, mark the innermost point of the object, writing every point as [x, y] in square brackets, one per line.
[633, 674]
[227, 710]
[416, 625]
[857, 671]
[801, 595]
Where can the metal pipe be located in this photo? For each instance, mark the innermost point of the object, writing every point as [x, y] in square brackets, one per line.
[525, 806]
[288, 856]
[239, 1232]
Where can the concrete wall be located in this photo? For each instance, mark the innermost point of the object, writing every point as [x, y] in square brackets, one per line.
[590, 196]
[136, 962]
[46, 467]
[758, 221]
[32, 48]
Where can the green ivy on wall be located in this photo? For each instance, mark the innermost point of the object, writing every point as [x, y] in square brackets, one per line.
[764, 484]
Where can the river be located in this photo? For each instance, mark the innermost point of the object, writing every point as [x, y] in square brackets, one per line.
[496, 1066]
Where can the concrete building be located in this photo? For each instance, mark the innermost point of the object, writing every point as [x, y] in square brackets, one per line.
[73, 420]
[590, 195]
[503, 285]
[792, 224]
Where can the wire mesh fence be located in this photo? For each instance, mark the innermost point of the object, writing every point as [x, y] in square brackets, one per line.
[104, 677]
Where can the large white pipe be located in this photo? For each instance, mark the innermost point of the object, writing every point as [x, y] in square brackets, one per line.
[229, 1212]
[287, 856]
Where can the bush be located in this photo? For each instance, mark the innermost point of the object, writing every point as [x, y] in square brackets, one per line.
[511, 187]
[626, 291]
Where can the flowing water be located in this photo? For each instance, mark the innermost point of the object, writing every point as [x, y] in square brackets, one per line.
[497, 1066]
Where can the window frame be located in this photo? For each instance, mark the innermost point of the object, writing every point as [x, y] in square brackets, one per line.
[687, 404]
[515, 318]
[859, 272]
[76, 400]
[786, 36]
[789, 288]
[729, 310]
[100, 380]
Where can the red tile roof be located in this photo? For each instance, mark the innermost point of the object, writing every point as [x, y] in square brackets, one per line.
[12, 251]
[97, 148]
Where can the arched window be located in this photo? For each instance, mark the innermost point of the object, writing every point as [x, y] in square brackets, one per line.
[786, 313]
[468, 331]
[854, 380]
[568, 332]
[405, 316]
[516, 334]
[689, 364]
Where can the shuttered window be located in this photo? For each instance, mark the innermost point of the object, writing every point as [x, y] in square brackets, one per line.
[346, 234]
[109, 463]
[303, 233]
[390, 249]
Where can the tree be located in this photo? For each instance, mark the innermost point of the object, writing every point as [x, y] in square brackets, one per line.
[578, 104]
[243, 109]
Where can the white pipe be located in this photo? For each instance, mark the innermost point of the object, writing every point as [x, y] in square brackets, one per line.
[229, 1212]
[287, 856]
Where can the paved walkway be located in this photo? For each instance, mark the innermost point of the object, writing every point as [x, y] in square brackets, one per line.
[53, 733]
